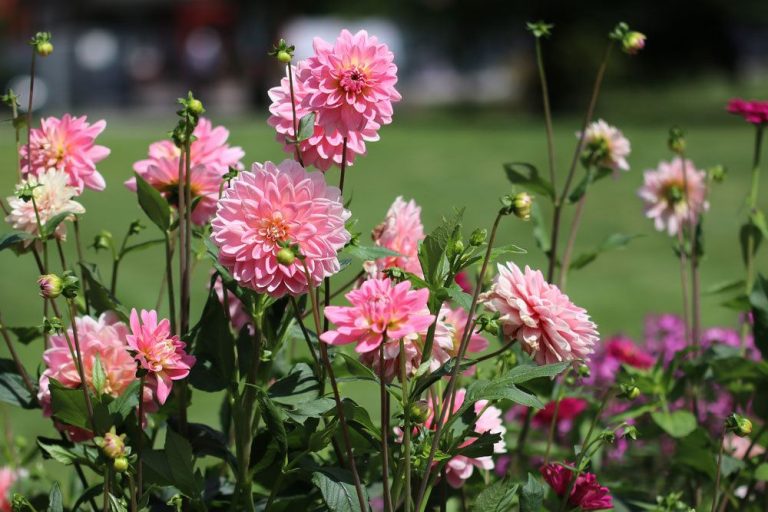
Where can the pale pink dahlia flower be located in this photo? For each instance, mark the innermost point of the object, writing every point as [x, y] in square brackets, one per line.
[275, 205]
[324, 148]
[672, 196]
[379, 306]
[7, 479]
[401, 232]
[448, 333]
[158, 352]
[53, 195]
[210, 159]
[738, 447]
[68, 145]
[541, 317]
[105, 339]
[609, 145]
[350, 83]
[459, 468]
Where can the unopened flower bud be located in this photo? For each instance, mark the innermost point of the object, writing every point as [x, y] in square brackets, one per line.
[285, 256]
[676, 141]
[570, 380]
[71, 284]
[584, 371]
[717, 173]
[738, 424]
[478, 237]
[44, 48]
[457, 247]
[112, 445]
[633, 42]
[102, 241]
[522, 204]
[121, 464]
[50, 285]
[196, 106]
[419, 411]
[284, 57]
[53, 325]
[629, 391]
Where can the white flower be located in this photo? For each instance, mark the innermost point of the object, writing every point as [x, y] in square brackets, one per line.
[610, 146]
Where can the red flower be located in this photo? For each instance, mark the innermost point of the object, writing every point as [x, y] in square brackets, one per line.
[587, 493]
[755, 112]
[569, 409]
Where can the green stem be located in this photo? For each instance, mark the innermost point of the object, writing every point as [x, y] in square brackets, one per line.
[80, 261]
[553, 424]
[715, 497]
[384, 430]
[29, 109]
[140, 440]
[80, 365]
[295, 119]
[406, 427]
[455, 372]
[547, 113]
[17, 360]
[169, 281]
[556, 218]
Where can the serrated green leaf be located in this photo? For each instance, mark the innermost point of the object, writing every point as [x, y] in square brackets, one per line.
[338, 490]
[298, 387]
[498, 497]
[526, 176]
[8, 240]
[758, 301]
[525, 372]
[99, 376]
[180, 462]
[55, 500]
[677, 424]
[12, 388]
[153, 204]
[532, 495]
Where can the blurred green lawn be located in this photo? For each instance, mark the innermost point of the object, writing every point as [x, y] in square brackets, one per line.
[440, 161]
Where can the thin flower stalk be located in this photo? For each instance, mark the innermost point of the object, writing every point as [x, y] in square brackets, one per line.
[384, 399]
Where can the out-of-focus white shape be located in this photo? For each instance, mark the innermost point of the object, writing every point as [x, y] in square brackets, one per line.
[96, 50]
[202, 49]
[20, 85]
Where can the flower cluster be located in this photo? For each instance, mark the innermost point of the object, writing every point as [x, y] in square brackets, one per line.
[585, 493]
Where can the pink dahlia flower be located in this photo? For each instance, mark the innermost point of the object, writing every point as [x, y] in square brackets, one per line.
[7, 479]
[739, 446]
[412, 353]
[755, 112]
[350, 83]
[379, 306]
[158, 352]
[401, 232]
[105, 339]
[615, 352]
[550, 327]
[324, 148]
[569, 409]
[460, 468]
[210, 159]
[673, 196]
[53, 195]
[273, 206]
[448, 334]
[586, 494]
[464, 282]
[68, 145]
[608, 145]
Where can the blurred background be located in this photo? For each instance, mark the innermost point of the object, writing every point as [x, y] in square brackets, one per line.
[470, 103]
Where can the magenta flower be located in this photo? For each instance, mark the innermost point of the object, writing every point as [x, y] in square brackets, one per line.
[613, 353]
[401, 232]
[537, 314]
[158, 352]
[350, 83]
[277, 205]
[67, 144]
[460, 468]
[7, 479]
[211, 158]
[569, 409]
[755, 112]
[587, 493]
[672, 196]
[105, 339]
[324, 148]
[379, 306]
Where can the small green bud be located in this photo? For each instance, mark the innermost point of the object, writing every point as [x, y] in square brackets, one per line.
[738, 424]
[419, 411]
[285, 256]
[112, 445]
[120, 464]
[570, 380]
[478, 237]
[676, 141]
[608, 436]
[135, 228]
[284, 57]
[457, 247]
[50, 285]
[717, 173]
[628, 391]
[71, 285]
[53, 325]
[521, 205]
[44, 48]
[584, 371]
[196, 106]
[633, 42]
[539, 29]
[102, 241]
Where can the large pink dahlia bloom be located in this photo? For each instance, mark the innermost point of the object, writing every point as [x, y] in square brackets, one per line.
[350, 83]
[586, 494]
[67, 144]
[7, 479]
[610, 145]
[210, 159]
[53, 196]
[674, 194]
[158, 352]
[379, 306]
[326, 145]
[550, 327]
[459, 468]
[401, 232]
[276, 205]
[105, 339]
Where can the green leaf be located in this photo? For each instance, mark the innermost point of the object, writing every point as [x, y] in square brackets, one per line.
[758, 299]
[525, 372]
[733, 285]
[26, 335]
[615, 241]
[761, 472]
[49, 228]
[749, 231]
[338, 490]
[355, 368]
[180, 461]
[503, 389]
[206, 441]
[89, 494]
[100, 298]
[432, 249]
[588, 179]
[526, 176]
[13, 238]
[540, 233]
[278, 447]
[460, 297]
[126, 403]
[498, 497]
[366, 253]
[153, 204]
[306, 127]
[504, 250]
[677, 424]
[142, 245]
[62, 451]
[298, 387]
[359, 419]
[313, 409]
[12, 388]
[532, 495]
[214, 347]
[55, 501]
[99, 376]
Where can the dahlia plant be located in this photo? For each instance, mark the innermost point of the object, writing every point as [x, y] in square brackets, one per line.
[494, 389]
